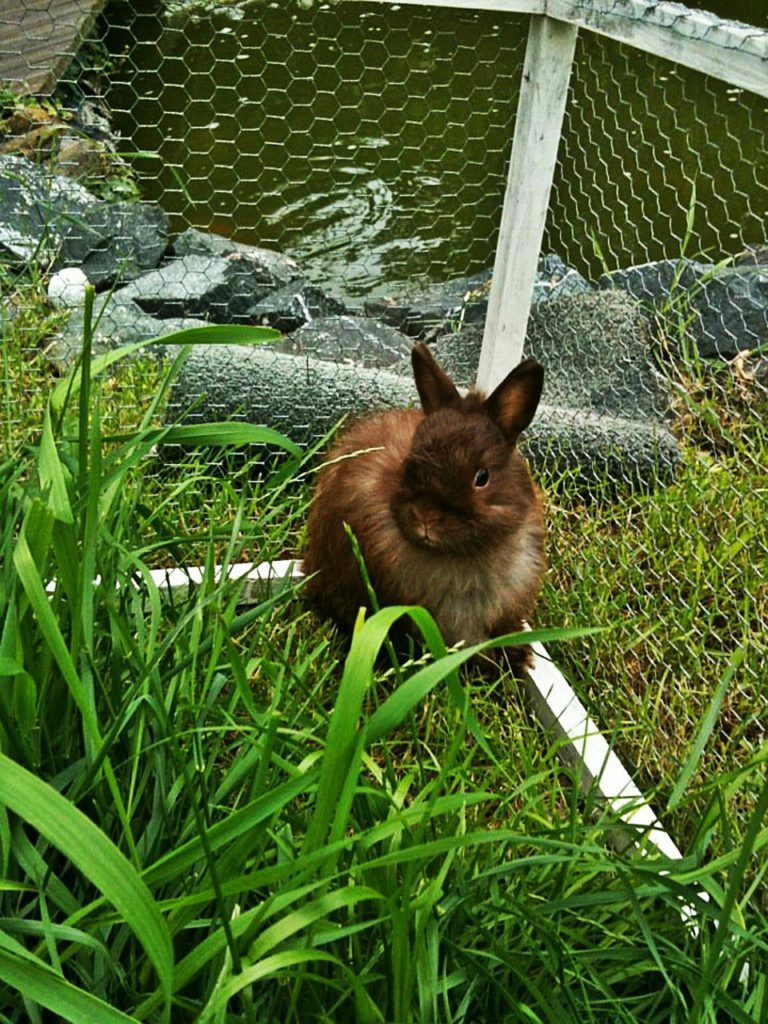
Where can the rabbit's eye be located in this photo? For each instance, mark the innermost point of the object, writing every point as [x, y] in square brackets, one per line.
[482, 476]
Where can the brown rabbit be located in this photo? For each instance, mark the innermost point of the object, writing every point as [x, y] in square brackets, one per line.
[442, 505]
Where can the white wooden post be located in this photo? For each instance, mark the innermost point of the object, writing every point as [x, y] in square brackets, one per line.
[543, 91]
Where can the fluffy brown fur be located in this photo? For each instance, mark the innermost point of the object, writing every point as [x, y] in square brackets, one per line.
[442, 505]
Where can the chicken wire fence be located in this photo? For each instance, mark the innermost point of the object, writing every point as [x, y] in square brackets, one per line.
[366, 146]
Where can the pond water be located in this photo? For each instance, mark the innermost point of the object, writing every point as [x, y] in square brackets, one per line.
[372, 143]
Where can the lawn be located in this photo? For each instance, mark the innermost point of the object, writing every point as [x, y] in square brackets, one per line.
[217, 812]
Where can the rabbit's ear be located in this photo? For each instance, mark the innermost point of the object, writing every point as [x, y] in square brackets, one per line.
[513, 404]
[435, 387]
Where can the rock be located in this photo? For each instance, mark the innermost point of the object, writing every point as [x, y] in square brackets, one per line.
[599, 450]
[36, 209]
[78, 156]
[429, 312]
[54, 220]
[349, 339]
[653, 282]
[554, 279]
[598, 352]
[66, 289]
[275, 267]
[458, 353]
[304, 398]
[596, 349]
[92, 118]
[115, 240]
[753, 256]
[426, 311]
[720, 311]
[603, 413]
[298, 303]
[117, 323]
[223, 289]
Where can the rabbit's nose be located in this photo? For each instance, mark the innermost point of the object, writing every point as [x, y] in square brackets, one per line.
[426, 526]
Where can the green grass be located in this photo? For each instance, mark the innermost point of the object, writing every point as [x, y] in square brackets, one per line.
[211, 812]
[679, 576]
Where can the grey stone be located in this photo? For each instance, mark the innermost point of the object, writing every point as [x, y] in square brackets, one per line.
[348, 339]
[600, 450]
[554, 279]
[305, 398]
[78, 156]
[424, 312]
[111, 241]
[653, 282]
[596, 349]
[223, 289]
[92, 118]
[117, 323]
[36, 208]
[273, 266]
[291, 307]
[442, 308]
[753, 256]
[300, 396]
[54, 220]
[716, 311]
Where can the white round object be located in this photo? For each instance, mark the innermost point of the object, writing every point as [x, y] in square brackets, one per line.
[67, 287]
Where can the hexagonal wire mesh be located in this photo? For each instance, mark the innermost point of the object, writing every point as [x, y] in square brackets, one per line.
[663, 169]
[369, 142]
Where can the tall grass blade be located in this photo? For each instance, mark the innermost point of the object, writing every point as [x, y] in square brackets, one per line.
[52, 475]
[70, 831]
[342, 740]
[179, 861]
[705, 729]
[229, 433]
[269, 967]
[84, 435]
[221, 334]
[288, 927]
[710, 975]
[215, 334]
[38, 982]
[34, 589]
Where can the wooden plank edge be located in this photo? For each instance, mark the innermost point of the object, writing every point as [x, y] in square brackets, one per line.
[42, 79]
[538, 131]
[581, 744]
[677, 19]
[499, 6]
[726, 50]
[257, 579]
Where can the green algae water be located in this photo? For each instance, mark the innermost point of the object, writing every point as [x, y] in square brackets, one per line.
[372, 142]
